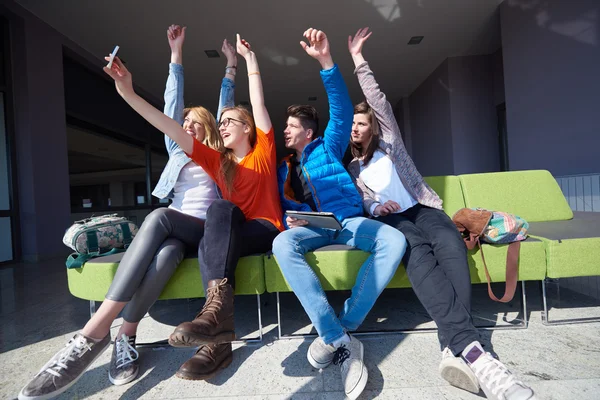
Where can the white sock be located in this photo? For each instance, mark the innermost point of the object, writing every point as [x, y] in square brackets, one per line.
[472, 352]
[344, 339]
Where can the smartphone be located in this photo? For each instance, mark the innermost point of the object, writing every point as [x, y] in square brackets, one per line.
[112, 56]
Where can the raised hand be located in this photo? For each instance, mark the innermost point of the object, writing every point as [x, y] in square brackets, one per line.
[121, 76]
[355, 44]
[317, 47]
[243, 47]
[176, 36]
[229, 52]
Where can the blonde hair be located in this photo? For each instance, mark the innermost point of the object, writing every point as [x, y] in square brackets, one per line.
[212, 138]
[228, 159]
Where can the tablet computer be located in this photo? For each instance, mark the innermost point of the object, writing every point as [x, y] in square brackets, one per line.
[317, 219]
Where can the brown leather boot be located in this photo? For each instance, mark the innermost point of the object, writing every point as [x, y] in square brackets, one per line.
[207, 361]
[214, 323]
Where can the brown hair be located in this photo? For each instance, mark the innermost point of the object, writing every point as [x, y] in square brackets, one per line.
[212, 138]
[357, 149]
[228, 160]
[308, 116]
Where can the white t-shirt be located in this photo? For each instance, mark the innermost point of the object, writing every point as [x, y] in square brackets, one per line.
[194, 191]
[381, 177]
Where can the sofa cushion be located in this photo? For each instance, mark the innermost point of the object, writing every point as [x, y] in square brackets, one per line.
[92, 280]
[337, 266]
[573, 247]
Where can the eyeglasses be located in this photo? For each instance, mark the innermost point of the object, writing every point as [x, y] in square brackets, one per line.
[226, 121]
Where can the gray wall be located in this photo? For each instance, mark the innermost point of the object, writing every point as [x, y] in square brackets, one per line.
[430, 124]
[453, 118]
[473, 115]
[40, 131]
[551, 69]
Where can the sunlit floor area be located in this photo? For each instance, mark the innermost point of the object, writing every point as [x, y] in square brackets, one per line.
[38, 315]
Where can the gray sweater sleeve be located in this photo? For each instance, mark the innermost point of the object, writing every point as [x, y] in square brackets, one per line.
[391, 139]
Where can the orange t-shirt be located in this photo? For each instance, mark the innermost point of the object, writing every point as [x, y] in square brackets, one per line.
[255, 184]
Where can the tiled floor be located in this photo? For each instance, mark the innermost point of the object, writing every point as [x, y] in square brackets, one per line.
[38, 315]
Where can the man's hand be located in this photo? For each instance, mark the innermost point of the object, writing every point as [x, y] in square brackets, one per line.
[389, 207]
[122, 77]
[318, 47]
[230, 54]
[295, 222]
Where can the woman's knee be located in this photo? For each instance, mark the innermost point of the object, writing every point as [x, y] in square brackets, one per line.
[170, 252]
[158, 216]
[219, 207]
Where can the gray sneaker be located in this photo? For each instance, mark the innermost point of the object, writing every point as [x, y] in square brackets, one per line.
[124, 363]
[320, 355]
[456, 371]
[65, 368]
[349, 356]
[497, 382]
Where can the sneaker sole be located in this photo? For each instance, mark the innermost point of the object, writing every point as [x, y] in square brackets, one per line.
[360, 386]
[202, 377]
[315, 363]
[185, 339]
[118, 382]
[48, 396]
[458, 378]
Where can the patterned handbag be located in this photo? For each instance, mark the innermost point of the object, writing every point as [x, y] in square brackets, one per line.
[494, 227]
[98, 236]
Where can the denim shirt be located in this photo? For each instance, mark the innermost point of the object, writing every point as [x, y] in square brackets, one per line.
[174, 108]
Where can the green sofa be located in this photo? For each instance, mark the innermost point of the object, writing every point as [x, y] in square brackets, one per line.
[560, 245]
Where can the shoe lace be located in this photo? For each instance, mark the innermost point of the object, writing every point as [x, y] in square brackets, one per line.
[207, 351]
[126, 353]
[76, 347]
[213, 303]
[498, 377]
[341, 355]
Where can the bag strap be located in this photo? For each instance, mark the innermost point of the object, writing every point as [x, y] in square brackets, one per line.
[512, 272]
[127, 237]
[76, 260]
[92, 241]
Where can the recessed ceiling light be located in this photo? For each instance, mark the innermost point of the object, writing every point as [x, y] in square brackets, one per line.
[212, 53]
[312, 98]
[415, 39]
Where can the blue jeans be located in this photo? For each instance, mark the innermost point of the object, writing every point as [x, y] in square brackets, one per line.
[386, 245]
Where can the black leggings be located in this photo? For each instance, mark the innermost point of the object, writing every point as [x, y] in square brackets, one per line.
[229, 236]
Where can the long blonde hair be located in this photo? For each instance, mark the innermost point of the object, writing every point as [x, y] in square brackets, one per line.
[228, 159]
[212, 138]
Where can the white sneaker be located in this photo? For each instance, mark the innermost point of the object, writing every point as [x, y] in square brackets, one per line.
[349, 356]
[497, 382]
[320, 355]
[456, 371]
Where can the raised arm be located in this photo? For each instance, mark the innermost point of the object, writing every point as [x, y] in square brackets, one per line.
[160, 121]
[337, 133]
[226, 96]
[391, 138]
[174, 88]
[257, 98]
